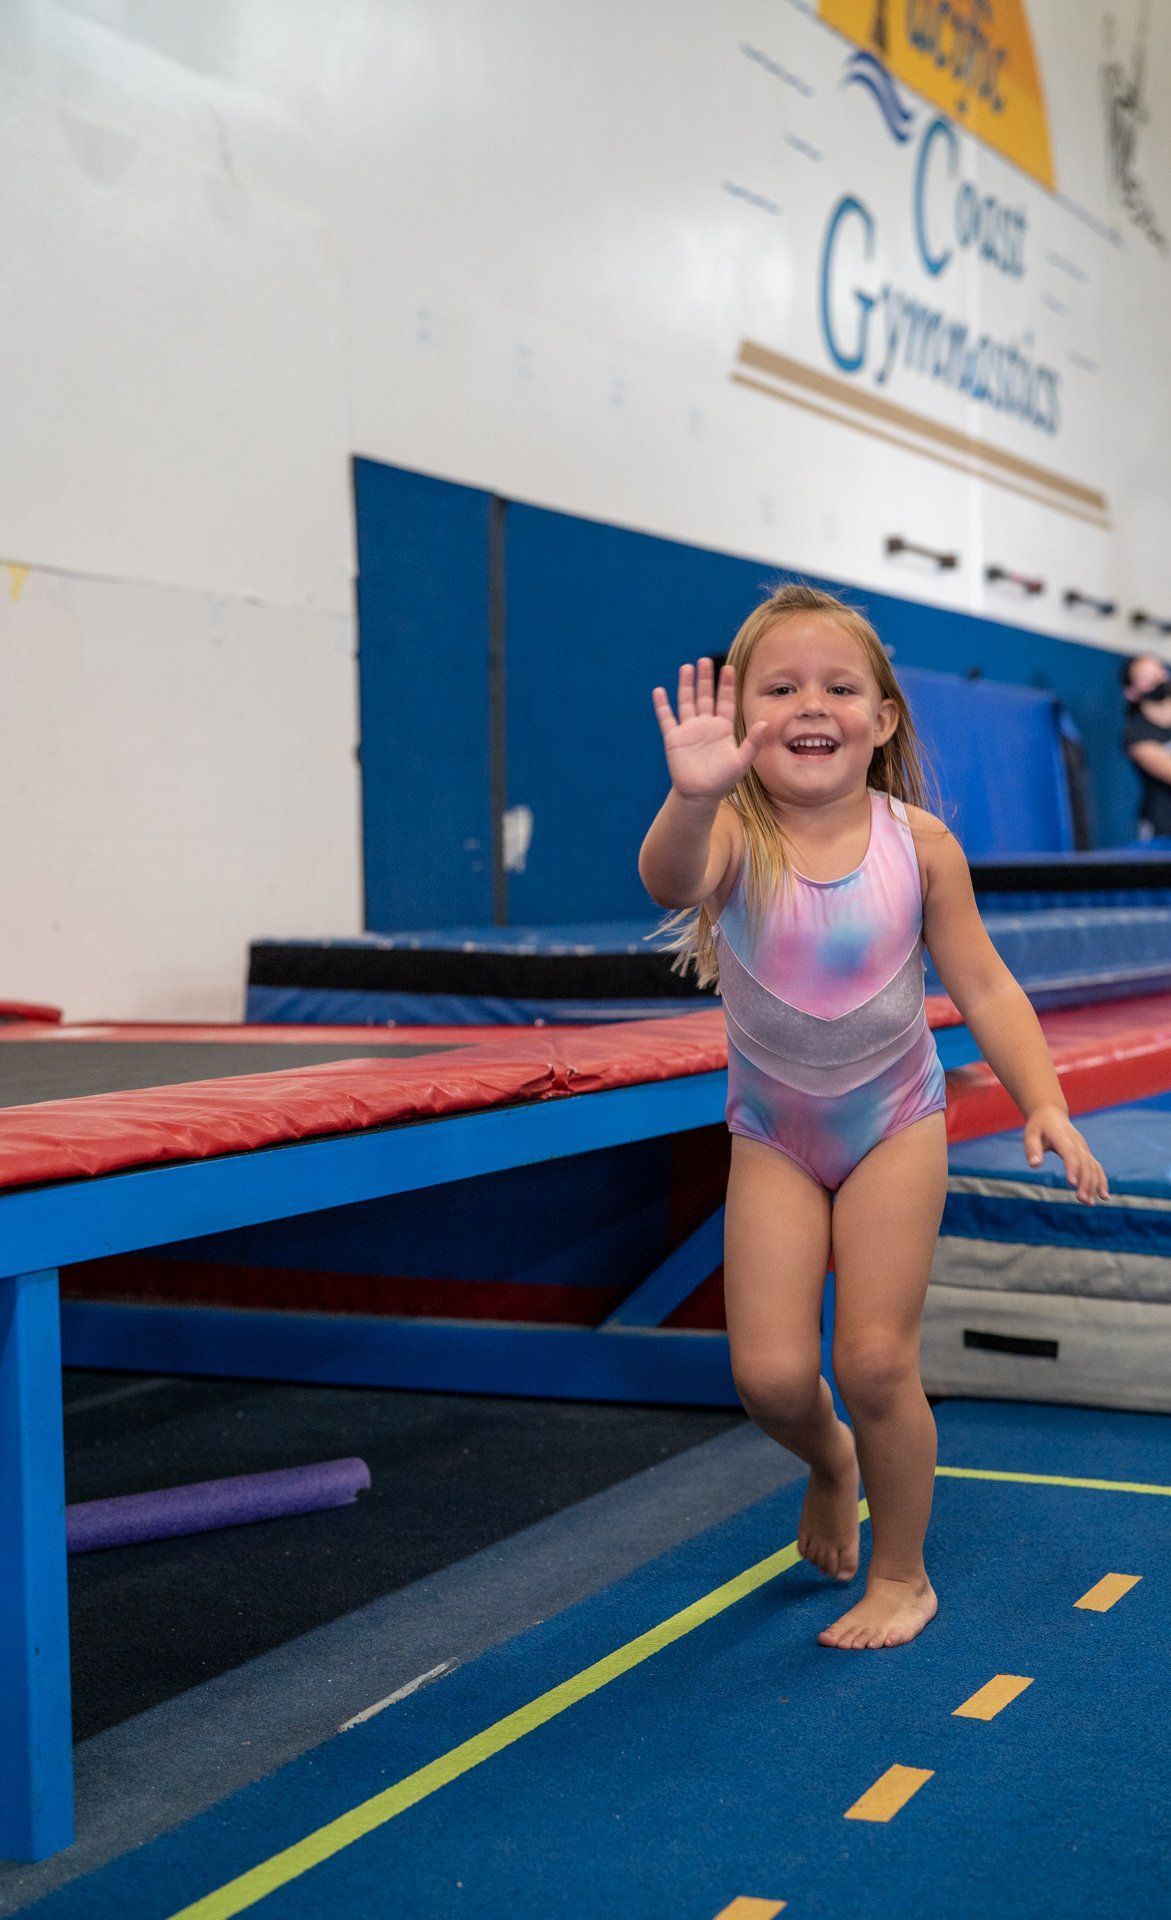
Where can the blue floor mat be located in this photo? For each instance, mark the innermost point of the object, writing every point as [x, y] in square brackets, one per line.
[724, 1764]
[1133, 1142]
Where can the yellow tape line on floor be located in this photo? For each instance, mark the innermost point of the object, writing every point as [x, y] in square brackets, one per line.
[348, 1827]
[255, 1885]
[1050, 1480]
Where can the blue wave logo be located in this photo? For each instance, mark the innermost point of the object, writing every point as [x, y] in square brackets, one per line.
[864, 70]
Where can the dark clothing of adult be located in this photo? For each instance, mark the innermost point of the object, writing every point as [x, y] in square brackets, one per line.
[1155, 803]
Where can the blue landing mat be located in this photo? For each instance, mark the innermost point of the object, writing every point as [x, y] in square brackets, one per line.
[723, 1764]
[994, 1195]
[1133, 1142]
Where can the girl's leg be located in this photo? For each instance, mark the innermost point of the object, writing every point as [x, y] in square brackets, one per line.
[885, 1221]
[776, 1253]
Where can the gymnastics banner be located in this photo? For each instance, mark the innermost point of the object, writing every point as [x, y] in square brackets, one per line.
[951, 270]
[973, 60]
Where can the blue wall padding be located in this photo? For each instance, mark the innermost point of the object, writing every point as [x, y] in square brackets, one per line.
[423, 675]
[1109, 946]
[995, 751]
[1108, 900]
[595, 616]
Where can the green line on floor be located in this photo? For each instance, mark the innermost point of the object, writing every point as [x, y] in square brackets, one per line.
[255, 1885]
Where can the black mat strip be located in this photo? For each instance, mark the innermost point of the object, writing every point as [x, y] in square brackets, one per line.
[35, 1070]
[508, 976]
[1090, 874]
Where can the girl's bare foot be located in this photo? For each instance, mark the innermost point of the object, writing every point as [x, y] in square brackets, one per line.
[828, 1536]
[889, 1613]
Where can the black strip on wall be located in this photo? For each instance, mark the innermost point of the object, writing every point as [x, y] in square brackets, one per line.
[497, 732]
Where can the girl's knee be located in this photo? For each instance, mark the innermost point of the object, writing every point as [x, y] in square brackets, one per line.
[873, 1374]
[781, 1393]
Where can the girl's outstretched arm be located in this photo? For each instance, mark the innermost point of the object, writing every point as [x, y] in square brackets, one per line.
[682, 859]
[998, 1013]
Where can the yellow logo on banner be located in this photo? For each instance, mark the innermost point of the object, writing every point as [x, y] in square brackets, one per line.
[973, 59]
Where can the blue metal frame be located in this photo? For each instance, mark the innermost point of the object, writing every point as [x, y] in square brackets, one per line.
[36, 1792]
[44, 1228]
[119, 1213]
[675, 1367]
[676, 1280]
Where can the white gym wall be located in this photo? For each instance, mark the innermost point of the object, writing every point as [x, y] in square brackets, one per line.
[519, 244]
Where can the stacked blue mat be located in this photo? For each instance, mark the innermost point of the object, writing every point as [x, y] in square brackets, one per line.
[1034, 1296]
[1061, 954]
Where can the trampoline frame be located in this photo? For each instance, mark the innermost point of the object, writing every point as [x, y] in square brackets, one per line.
[632, 1356]
[45, 1228]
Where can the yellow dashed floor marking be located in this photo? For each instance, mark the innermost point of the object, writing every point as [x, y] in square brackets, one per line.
[1110, 1588]
[746, 1908]
[999, 1692]
[889, 1793]
[247, 1889]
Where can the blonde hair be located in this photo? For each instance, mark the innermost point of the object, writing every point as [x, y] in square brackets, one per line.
[897, 767]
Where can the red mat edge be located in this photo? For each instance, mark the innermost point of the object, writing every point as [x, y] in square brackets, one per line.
[113, 1132]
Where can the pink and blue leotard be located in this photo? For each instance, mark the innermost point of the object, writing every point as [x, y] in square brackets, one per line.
[829, 1050]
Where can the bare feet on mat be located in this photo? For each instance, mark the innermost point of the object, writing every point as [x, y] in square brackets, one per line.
[828, 1536]
[890, 1613]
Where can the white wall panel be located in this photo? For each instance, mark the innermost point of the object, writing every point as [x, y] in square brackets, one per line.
[172, 374]
[519, 244]
[178, 775]
[548, 227]
[658, 190]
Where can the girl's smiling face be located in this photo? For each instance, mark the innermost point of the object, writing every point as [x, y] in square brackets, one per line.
[810, 679]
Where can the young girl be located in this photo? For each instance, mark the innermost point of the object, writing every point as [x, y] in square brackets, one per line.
[794, 826]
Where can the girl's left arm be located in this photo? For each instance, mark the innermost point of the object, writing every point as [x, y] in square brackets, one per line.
[999, 1016]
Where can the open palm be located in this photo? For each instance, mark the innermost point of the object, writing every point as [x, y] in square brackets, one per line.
[703, 758]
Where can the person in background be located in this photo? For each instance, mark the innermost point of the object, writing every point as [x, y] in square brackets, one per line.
[1146, 739]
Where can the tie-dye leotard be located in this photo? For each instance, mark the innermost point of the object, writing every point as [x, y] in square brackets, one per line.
[829, 1050]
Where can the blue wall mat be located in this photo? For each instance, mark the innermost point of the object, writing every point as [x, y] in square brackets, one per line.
[596, 616]
[423, 673]
[995, 751]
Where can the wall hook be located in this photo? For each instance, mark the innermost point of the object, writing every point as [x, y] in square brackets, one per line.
[1022, 580]
[895, 543]
[1072, 598]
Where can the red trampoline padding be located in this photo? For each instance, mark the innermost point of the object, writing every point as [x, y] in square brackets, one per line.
[1115, 1051]
[21, 1010]
[1104, 1055]
[110, 1132]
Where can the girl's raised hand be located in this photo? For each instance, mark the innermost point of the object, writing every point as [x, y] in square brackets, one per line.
[702, 756]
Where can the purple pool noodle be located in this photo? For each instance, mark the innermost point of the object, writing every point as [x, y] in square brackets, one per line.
[213, 1503]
